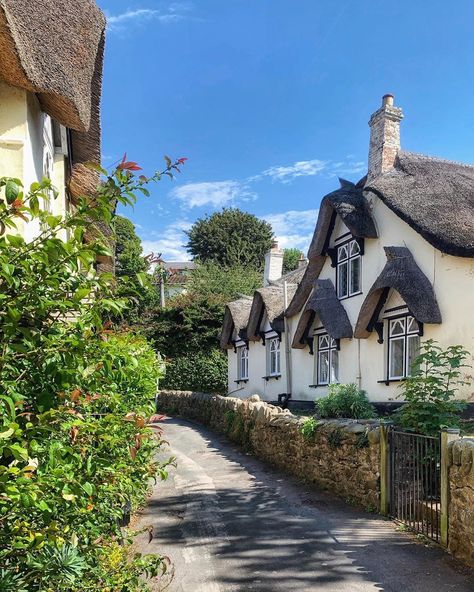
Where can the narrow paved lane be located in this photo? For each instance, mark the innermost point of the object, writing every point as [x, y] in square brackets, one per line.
[230, 523]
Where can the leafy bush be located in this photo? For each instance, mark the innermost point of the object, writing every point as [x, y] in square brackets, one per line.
[308, 429]
[206, 372]
[345, 400]
[430, 392]
[75, 447]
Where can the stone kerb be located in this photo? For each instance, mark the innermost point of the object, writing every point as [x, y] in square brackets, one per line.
[343, 456]
[461, 499]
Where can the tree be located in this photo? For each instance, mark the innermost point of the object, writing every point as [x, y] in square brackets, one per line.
[129, 258]
[131, 271]
[230, 237]
[291, 258]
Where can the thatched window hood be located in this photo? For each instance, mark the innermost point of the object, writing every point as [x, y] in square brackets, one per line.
[403, 275]
[350, 204]
[325, 304]
[236, 316]
[435, 197]
[55, 48]
[270, 301]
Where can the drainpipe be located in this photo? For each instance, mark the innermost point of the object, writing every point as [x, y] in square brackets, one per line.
[359, 369]
[287, 343]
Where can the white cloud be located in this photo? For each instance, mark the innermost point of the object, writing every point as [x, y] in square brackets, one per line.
[293, 228]
[216, 193]
[170, 242]
[140, 15]
[302, 168]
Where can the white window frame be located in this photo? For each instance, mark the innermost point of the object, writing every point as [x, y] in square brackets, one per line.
[347, 254]
[273, 356]
[409, 330]
[326, 346]
[242, 363]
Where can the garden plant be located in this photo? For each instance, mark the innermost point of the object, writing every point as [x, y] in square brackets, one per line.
[76, 450]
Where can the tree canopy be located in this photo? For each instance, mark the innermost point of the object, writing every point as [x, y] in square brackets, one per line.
[129, 258]
[230, 237]
[291, 258]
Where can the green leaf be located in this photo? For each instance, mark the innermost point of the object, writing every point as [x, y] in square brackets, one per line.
[11, 191]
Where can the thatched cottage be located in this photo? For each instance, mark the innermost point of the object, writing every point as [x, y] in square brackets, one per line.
[51, 57]
[390, 264]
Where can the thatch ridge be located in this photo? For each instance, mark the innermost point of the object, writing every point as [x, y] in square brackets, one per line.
[333, 316]
[350, 204]
[403, 275]
[435, 197]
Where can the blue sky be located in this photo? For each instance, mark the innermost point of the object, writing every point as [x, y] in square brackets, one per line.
[269, 100]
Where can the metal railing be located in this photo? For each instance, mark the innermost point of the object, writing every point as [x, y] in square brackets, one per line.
[415, 481]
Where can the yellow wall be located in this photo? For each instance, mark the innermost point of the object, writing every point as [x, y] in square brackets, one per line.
[23, 129]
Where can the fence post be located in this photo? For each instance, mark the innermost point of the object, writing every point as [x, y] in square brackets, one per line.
[447, 435]
[384, 468]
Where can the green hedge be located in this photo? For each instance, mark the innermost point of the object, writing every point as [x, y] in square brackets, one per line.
[197, 372]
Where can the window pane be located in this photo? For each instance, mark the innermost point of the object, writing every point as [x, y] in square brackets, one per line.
[412, 325]
[334, 365]
[323, 342]
[277, 361]
[413, 349]
[397, 327]
[397, 355]
[342, 280]
[342, 253]
[355, 275]
[323, 377]
[355, 249]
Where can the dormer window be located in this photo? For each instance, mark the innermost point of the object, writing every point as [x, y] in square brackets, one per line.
[348, 274]
[403, 346]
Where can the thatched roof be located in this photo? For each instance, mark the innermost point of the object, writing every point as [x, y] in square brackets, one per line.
[271, 300]
[435, 197]
[350, 204]
[312, 271]
[325, 304]
[52, 48]
[55, 48]
[402, 274]
[236, 316]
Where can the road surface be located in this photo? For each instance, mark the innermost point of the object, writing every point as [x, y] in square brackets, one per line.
[231, 523]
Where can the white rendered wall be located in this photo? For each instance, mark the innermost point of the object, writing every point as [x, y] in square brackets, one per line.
[364, 361]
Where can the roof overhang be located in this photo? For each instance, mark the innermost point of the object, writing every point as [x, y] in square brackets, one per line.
[402, 274]
[325, 304]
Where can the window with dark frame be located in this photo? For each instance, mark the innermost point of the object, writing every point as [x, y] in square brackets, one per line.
[273, 357]
[327, 360]
[349, 267]
[243, 363]
[403, 346]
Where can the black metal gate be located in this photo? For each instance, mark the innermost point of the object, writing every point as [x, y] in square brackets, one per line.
[415, 476]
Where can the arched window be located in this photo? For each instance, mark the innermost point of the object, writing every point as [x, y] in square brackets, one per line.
[243, 363]
[273, 359]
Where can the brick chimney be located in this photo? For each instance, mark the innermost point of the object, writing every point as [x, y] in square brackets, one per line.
[302, 261]
[273, 264]
[384, 137]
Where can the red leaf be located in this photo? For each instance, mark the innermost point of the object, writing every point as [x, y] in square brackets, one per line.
[182, 160]
[129, 166]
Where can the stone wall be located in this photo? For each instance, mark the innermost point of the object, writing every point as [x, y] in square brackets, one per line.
[343, 456]
[461, 499]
